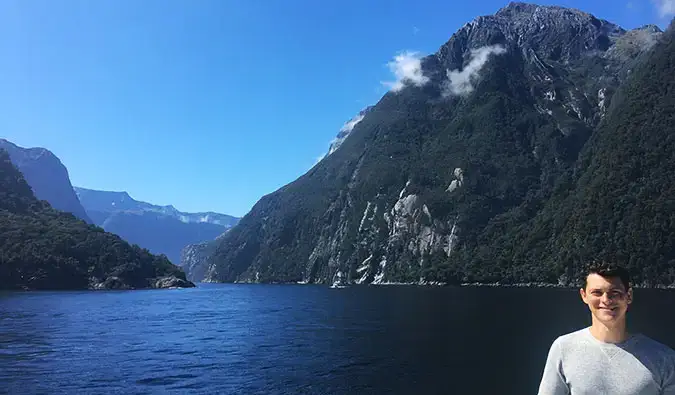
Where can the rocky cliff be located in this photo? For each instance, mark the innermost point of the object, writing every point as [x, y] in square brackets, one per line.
[47, 177]
[461, 174]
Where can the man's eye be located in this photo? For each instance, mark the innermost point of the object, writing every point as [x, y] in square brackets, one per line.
[596, 293]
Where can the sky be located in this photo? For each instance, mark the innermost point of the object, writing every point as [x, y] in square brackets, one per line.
[208, 105]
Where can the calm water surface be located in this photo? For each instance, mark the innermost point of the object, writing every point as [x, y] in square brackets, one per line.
[275, 339]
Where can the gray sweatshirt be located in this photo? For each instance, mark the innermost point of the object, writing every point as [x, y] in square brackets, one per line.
[578, 363]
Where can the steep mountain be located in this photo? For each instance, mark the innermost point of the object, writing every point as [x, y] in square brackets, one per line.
[484, 167]
[160, 229]
[43, 248]
[47, 176]
[618, 204]
[346, 130]
[194, 257]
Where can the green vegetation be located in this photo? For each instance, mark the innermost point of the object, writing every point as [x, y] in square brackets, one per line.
[543, 192]
[42, 248]
[619, 203]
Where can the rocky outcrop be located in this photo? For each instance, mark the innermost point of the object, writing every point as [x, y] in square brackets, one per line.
[172, 282]
[116, 283]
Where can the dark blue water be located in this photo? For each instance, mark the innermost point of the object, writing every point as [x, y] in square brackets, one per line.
[267, 339]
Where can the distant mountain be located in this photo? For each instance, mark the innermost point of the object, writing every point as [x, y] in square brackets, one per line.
[47, 177]
[509, 157]
[161, 229]
[43, 248]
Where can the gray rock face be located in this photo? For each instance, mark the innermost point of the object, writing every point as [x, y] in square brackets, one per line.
[193, 259]
[47, 176]
[431, 173]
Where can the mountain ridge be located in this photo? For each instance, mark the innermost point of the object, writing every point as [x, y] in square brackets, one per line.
[439, 178]
[47, 177]
[113, 201]
[161, 229]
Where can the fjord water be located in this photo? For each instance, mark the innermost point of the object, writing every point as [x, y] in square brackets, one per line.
[276, 339]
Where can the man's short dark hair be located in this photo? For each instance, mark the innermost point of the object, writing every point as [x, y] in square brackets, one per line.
[607, 270]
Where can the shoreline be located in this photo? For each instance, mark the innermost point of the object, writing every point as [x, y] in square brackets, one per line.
[442, 284]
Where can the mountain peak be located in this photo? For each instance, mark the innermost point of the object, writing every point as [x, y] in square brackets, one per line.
[650, 28]
[522, 8]
[121, 196]
[552, 33]
[47, 177]
[110, 202]
[24, 154]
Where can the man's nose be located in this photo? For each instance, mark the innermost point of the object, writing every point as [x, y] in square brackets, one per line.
[605, 298]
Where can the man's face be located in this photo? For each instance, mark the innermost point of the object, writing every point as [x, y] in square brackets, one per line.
[607, 298]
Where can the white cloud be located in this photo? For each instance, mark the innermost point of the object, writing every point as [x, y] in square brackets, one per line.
[665, 8]
[349, 125]
[407, 68]
[317, 160]
[460, 82]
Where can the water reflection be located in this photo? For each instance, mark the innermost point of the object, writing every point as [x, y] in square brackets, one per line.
[295, 339]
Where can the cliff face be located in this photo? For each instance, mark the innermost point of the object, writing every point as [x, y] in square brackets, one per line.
[47, 177]
[193, 257]
[459, 175]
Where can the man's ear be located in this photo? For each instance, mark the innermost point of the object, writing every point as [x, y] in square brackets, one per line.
[582, 292]
[630, 295]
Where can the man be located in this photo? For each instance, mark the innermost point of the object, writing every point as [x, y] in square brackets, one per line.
[604, 358]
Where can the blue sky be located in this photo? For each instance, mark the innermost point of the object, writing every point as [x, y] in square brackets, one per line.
[209, 105]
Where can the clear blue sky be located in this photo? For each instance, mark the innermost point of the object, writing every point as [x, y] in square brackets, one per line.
[208, 105]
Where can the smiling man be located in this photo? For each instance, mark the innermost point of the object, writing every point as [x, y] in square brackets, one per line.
[604, 358]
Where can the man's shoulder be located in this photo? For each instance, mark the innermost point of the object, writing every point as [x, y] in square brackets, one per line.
[572, 337]
[653, 346]
[569, 343]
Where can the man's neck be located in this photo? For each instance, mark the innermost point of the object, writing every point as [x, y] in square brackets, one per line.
[614, 334]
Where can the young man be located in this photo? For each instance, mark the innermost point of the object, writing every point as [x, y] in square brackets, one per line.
[604, 358]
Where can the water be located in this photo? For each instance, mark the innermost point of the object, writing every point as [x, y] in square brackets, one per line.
[267, 339]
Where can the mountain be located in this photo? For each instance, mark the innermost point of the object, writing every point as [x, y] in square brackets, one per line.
[193, 258]
[509, 157]
[346, 130]
[44, 248]
[47, 177]
[161, 229]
